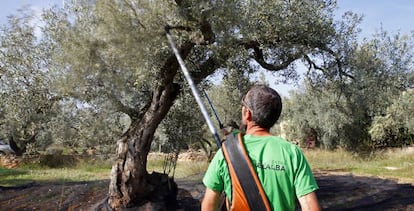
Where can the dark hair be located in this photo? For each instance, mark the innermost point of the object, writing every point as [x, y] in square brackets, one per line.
[265, 104]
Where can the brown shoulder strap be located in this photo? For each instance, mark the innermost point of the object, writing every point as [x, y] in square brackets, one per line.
[247, 191]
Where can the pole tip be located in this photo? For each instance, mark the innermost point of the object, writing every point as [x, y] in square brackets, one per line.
[167, 29]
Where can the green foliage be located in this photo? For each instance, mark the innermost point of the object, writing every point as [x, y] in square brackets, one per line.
[328, 117]
[106, 51]
[27, 102]
[32, 110]
[183, 126]
[227, 96]
[81, 125]
[57, 160]
[119, 47]
[113, 52]
[342, 109]
[396, 127]
[96, 66]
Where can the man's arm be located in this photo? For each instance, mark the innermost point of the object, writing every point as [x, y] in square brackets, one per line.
[210, 200]
[309, 202]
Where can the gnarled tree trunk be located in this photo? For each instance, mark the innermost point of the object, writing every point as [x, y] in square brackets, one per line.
[130, 183]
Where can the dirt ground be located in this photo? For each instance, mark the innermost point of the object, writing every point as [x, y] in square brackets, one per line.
[338, 191]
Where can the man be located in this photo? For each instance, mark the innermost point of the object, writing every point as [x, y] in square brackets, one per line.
[280, 166]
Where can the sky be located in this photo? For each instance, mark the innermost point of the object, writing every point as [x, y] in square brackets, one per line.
[393, 15]
[9, 7]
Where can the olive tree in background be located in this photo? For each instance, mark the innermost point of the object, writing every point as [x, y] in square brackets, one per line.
[183, 126]
[323, 111]
[355, 112]
[396, 127]
[33, 111]
[226, 96]
[27, 103]
[80, 126]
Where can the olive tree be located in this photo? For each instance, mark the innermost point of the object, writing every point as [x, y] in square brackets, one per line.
[32, 110]
[342, 109]
[396, 127]
[27, 102]
[79, 125]
[117, 51]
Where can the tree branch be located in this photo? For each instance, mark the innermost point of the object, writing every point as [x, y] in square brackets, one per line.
[338, 62]
[207, 32]
[129, 4]
[258, 56]
[179, 27]
[134, 113]
[205, 69]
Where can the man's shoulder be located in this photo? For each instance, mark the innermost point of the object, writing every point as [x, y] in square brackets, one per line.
[268, 140]
[275, 139]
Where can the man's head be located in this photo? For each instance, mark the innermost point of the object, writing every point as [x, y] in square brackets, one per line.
[264, 105]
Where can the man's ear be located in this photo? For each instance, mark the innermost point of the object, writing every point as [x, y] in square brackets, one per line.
[247, 114]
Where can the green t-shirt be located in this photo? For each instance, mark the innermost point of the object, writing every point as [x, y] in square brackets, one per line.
[281, 167]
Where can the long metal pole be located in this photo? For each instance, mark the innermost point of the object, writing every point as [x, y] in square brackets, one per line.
[194, 89]
[214, 110]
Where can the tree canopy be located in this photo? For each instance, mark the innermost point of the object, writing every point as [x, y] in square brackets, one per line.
[358, 111]
[109, 62]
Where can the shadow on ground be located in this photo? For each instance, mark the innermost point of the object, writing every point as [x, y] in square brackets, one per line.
[342, 191]
[345, 191]
[338, 191]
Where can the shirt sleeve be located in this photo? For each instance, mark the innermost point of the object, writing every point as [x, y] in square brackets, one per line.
[304, 182]
[212, 178]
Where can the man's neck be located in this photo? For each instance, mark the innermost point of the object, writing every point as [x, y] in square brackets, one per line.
[257, 131]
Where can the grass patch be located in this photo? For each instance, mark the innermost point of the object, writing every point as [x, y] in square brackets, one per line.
[393, 164]
[10, 177]
[396, 164]
[190, 168]
[11, 172]
[90, 169]
[84, 170]
[183, 168]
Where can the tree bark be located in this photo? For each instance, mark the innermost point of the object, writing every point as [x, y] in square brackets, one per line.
[20, 150]
[130, 183]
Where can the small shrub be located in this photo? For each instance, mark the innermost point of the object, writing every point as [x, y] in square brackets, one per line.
[54, 150]
[58, 161]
